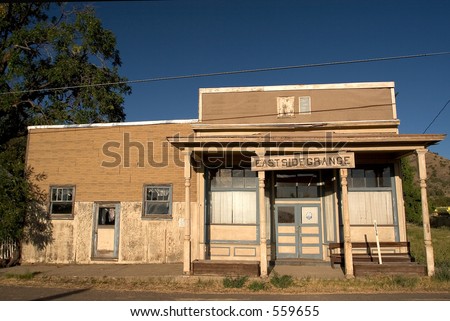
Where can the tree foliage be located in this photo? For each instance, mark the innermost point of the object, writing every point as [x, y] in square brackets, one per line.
[44, 46]
[411, 194]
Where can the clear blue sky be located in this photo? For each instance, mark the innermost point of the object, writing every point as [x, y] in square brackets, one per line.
[170, 38]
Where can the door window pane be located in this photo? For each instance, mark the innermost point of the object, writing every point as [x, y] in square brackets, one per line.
[286, 214]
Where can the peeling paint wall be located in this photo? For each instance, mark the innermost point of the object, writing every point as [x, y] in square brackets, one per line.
[140, 240]
[150, 241]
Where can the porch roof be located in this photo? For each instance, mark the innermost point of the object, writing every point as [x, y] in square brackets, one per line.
[265, 140]
[367, 142]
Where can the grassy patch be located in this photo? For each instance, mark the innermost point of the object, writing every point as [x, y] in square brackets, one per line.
[281, 281]
[257, 286]
[405, 282]
[443, 272]
[22, 276]
[441, 244]
[234, 282]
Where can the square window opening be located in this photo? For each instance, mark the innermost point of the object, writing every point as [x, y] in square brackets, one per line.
[158, 201]
[61, 201]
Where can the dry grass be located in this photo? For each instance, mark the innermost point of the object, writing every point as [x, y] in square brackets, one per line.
[392, 284]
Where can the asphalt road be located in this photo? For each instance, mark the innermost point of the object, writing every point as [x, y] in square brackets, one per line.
[21, 293]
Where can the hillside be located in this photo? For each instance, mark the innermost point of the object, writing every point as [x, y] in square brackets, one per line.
[438, 183]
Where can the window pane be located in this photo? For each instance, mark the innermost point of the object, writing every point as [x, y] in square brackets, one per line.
[54, 194]
[307, 186]
[238, 178]
[158, 193]
[106, 216]
[250, 179]
[244, 207]
[286, 190]
[385, 179]
[356, 178]
[157, 208]
[222, 179]
[67, 194]
[221, 207]
[286, 186]
[371, 178]
[157, 200]
[286, 214]
[151, 195]
[61, 208]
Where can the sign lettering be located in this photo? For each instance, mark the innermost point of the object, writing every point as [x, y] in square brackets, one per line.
[304, 161]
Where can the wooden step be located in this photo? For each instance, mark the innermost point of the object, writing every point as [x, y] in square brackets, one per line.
[408, 269]
[299, 262]
[226, 268]
[386, 257]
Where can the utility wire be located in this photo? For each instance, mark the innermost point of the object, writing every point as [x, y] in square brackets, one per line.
[235, 72]
[442, 109]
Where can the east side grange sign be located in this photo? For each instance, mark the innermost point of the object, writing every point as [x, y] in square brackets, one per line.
[306, 161]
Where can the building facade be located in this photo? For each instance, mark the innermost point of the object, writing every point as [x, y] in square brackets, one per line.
[264, 174]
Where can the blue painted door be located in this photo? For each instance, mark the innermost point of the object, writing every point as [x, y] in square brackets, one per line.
[298, 231]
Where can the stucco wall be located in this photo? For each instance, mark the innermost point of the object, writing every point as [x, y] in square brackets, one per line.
[140, 240]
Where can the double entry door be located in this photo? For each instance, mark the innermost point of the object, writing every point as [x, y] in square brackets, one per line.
[298, 230]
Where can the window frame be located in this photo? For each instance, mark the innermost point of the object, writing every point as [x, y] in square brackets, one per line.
[253, 188]
[50, 206]
[307, 112]
[365, 167]
[155, 216]
[375, 189]
[305, 173]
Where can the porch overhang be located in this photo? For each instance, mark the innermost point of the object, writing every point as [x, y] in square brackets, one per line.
[401, 144]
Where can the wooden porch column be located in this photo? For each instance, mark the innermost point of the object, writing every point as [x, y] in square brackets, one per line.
[262, 224]
[187, 212]
[346, 218]
[421, 162]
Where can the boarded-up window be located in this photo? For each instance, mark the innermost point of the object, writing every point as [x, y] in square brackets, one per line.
[365, 207]
[285, 106]
[305, 105]
[370, 195]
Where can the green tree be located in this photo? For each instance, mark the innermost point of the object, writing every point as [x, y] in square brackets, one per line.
[51, 55]
[411, 194]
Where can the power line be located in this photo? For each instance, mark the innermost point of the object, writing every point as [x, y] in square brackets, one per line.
[235, 72]
[442, 109]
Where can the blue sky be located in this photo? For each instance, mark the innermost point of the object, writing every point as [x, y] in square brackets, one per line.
[170, 38]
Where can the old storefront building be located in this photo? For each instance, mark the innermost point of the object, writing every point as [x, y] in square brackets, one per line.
[265, 174]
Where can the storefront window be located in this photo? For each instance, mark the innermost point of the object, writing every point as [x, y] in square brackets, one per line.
[232, 196]
[370, 195]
